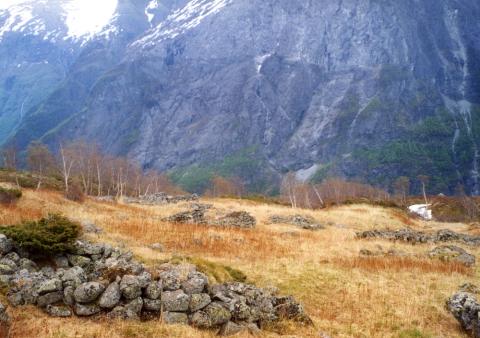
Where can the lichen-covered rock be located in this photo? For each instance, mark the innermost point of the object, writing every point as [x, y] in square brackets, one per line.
[154, 305]
[171, 280]
[61, 261]
[175, 301]
[199, 301]
[133, 308]
[231, 329]
[153, 290]
[452, 253]
[111, 296]
[77, 260]
[6, 244]
[27, 264]
[465, 309]
[49, 298]
[87, 248]
[68, 295]
[88, 292]
[130, 287]
[175, 318]
[211, 316]
[86, 310]
[195, 283]
[49, 285]
[58, 311]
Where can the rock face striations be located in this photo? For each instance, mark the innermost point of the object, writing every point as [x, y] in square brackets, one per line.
[373, 90]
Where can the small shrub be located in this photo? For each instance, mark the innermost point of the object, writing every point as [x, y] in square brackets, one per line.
[9, 196]
[75, 193]
[51, 235]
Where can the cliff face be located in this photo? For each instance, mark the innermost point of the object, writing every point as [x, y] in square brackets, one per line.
[365, 89]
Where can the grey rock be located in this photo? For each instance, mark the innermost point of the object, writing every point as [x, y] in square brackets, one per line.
[90, 227]
[195, 283]
[49, 285]
[130, 287]
[212, 316]
[111, 297]
[231, 329]
[27, 264]
[76, 275]
[199, 301]
[87, 248]
[133, 308]
[49, 298]
[453, 253]
[9, 262]
[240, 219]
[175, 301]
[144, 279]
[58, 311]
[88, 292]
[171, 280]
[153, 290]
[87, 309]
[15, 298]
[175, 318]
[152, 304]
[6, 244]
[68, 295]
[157, 247]
[465, 308]
[77, 260]
[13, 256]
[6, 269]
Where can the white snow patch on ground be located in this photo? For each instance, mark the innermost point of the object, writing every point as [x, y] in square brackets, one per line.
[151, 6]
[259, 60]
[422, 210]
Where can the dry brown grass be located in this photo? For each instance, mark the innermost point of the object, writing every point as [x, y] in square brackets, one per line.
[347, 296]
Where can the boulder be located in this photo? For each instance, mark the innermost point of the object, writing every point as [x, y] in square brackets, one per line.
[27, 264]
[175, 301]
[157, 247]
[49, 285]
[77, 260]
[231, 329]
[86, 248]
[6, 245]
[85, 310]
[153, 290]
[58, 311]
[199, 301]
[171, 280]
[175, 318]
[91, 228]
[88, 292]
[195, 283]
[211, 316]
[154, 305]
[452, 253]
[68, 295]
[130, 287]
[465, 309]
[6, 269]
[111, 297]
[50, 298]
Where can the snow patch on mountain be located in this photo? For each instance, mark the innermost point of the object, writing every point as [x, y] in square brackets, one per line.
[152, 5]
[184, 19]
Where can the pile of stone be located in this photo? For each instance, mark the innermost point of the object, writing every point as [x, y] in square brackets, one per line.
[446, 253]
[161, 198]
[237, 219]
[304, 222]
[196, 215]
[97, 279]
[466, 309]
[415, 237]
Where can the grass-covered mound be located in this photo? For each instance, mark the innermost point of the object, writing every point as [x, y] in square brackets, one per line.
[9, 195]
[51, 235]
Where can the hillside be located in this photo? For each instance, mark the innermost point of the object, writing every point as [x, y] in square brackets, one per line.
[370, 91]
[346, 294]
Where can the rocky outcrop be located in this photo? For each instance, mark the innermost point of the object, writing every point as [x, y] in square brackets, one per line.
[465, 308]
[417, 237]
[452, 253]
[103, 280]
[304, 222]
[161, 198]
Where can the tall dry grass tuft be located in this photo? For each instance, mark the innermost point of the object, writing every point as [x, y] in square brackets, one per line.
[398, 264]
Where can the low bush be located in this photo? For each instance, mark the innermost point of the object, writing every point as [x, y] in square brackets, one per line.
[50, 235]
[9, 196]
[75, 193]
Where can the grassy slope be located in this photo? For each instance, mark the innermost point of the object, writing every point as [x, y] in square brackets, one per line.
[346, 296]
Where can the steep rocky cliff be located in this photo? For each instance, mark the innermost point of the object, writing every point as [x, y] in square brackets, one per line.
[365, 89]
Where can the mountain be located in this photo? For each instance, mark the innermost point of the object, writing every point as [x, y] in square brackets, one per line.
[368, 90]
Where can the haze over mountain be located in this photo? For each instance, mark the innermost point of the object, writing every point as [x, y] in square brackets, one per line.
[370, 90]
